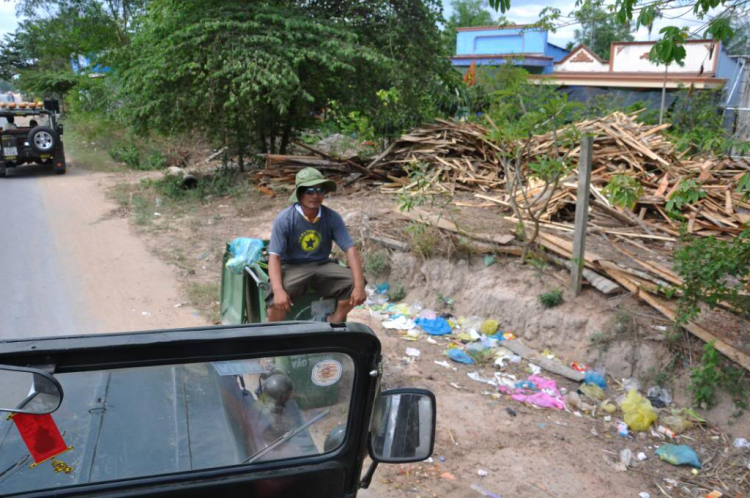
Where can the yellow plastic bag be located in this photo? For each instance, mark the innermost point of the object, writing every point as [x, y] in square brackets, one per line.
[489, 327]
[592, 391]
[639, 414]
[677, 423]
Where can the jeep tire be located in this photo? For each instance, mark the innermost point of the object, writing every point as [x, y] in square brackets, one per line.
[3, 170]
[43, 139]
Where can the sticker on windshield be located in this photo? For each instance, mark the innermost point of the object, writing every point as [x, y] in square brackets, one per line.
[326, 373]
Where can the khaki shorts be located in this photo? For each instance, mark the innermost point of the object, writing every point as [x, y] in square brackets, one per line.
[327, 279]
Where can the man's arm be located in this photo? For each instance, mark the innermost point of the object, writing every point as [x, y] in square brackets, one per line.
[280, 297]
[355, 264]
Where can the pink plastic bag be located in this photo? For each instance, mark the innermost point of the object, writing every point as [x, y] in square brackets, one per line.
[547, 397]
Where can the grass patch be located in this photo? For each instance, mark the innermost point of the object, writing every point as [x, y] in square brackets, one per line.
[397, 292]
[423, 239]
[88, 154]
[376, 264]
[205, 297]
[551, 299]
[218, 185]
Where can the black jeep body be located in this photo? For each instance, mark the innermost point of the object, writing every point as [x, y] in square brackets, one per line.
[31, 144]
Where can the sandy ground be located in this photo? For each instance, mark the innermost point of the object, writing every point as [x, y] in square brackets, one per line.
[124, 287]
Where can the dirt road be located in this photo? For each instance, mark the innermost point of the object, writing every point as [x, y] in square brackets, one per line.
[70, 268]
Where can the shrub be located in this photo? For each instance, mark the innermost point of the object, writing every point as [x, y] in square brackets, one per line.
[551, 299]
[376, 264]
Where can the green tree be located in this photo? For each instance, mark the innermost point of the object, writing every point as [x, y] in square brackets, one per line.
[468, 13]
[599, 28]
[246, 74]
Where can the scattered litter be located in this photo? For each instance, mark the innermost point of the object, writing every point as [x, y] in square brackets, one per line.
[441, 458]
[578, 367]
[666, 431]
[489, 260]
[592, 391]
[535, 369]
[178, 305]
[480, 378]
[594, 432]
[459, 356]
[677, 423]
[658, 396]
[741, 442]
[427, 314]
[639, 414]
[413, 352]
[608, 407]
[145, 313]
[714, 494]
[431, 340]
[400, 323]
[510, 411]
[573, 400]
[641, 456]
[489, 327]
[456, 385]
[157, 214]
[448, 475]
[436, 326]
[445, 364]
[622, 429]
[382, 288]
[643, 494]
[479, 489]
[505, 381]
[482, 473]
[626, 457]
[596, 377]
[678, 454]
[631, 385]
[547, 397]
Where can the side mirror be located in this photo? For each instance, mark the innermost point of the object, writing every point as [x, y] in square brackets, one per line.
[403, 428]
[28, 390]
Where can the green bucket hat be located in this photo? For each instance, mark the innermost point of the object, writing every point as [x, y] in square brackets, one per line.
[311, 177]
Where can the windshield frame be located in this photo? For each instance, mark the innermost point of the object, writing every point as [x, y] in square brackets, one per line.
[183, 346]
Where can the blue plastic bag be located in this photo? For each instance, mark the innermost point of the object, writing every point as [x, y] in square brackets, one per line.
[382, 288]
[459, 356]
[679, 454]
[244, 252]
[434, 326]
[597, 378]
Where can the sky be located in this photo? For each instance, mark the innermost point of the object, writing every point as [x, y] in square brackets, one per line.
[521, 12]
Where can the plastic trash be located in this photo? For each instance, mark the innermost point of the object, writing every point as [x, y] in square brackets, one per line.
[459, 356]
[573, 400]
[677, 423]
[741, 442]
[526, 384]
[489, 327]
[383, 288]
[596, 377]
[436, 326]
[548, 395]
[592, 391]
[427, 314]
[415, 308]
[479, 489]
[489, 260]
[626, 457]
[443, 364]
[482, 473]
[400, 323]
[244, 252]
[666, 431]
[608, 407]
[641, 456]
[413, 352]
[631, 385]
[658, 396]
[643, 494]
[481, 378]
[472, 323]
[678, 454]
[622, 429]
[639, 414]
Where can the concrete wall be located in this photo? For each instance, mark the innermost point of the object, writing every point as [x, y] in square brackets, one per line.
[633, 58]
[501, 41]
[581, 60]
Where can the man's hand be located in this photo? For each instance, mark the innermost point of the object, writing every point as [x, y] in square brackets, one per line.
[358, 296]
[281, 300]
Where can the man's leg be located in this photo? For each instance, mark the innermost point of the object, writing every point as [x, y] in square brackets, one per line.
[334, 280]
[295, 279]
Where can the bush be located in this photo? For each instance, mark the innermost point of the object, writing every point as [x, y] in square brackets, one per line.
[397, 292]
[376, 264]
[127, 153]
[551, 299]
[155, 160]
[172, 187]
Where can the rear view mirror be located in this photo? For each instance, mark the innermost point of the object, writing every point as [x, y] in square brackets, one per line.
[403, 427]
[28, 390]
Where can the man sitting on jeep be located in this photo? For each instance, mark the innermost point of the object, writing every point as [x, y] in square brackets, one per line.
[301, 242]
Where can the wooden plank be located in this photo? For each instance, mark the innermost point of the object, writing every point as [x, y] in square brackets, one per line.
[669, 311]
[518, 347]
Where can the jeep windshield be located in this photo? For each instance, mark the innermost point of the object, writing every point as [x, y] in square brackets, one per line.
[158, 420]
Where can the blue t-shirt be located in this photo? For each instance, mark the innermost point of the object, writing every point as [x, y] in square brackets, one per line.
[296, 240]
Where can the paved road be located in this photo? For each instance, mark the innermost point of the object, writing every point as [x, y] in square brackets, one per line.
[37, 292]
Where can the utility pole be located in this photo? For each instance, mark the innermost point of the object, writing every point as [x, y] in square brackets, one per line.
[582, 212]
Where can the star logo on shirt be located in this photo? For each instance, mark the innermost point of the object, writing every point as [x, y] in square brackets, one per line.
[309, 240]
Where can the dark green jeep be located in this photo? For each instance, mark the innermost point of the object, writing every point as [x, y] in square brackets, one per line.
[30, 134]
[288, 409]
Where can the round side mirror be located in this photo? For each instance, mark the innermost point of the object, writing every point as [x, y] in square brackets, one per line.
[28, 390]
[403, 428]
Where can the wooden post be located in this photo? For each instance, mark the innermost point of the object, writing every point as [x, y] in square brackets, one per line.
[582, 212]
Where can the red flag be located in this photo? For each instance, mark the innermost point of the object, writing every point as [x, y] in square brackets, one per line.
[41, 435]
